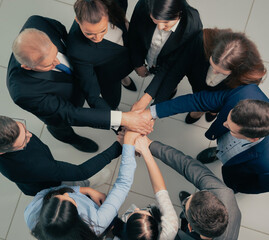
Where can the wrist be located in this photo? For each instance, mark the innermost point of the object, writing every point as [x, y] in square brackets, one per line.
[129, 138]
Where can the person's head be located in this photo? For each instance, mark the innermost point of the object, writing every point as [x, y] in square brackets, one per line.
[59, 218]
[13, 135]
[206, 214]
[144, 224]
[234, 55]
[34, 50]
[249, 120]
[166, 13]
[93, 17]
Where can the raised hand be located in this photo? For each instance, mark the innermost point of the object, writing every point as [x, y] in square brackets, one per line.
[137, 122]
[142, 144]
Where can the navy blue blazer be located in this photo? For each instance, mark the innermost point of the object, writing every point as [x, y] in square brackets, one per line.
[54, 97]
[247, 172]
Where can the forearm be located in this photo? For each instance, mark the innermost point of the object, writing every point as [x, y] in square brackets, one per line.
[155, 174]
[109, 209]
[193, 170]
[142, 103]
[70, 172]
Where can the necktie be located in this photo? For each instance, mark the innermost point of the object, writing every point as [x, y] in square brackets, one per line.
[63, 68]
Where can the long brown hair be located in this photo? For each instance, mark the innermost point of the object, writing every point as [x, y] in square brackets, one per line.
[92, 11]
[234, 51]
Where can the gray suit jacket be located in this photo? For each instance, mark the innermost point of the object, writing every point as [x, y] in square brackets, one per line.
[203, 179]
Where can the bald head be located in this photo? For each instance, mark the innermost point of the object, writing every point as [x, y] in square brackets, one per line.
[31, 47]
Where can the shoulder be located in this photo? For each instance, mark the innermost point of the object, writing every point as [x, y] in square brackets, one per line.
[48, 25]
[251, 91]
[77, 44]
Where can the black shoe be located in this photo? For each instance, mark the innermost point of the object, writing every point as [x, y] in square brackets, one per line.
[210, 117]
[191, 120]
[81, 143]
[183, 195]
[208, 155]
[131, 86]
[173, 94]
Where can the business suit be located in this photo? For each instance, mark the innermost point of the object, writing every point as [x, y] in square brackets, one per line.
[140, 36]
[54, 97]
[247, 172]
[203, 179]
[100, 66]
[34, 168]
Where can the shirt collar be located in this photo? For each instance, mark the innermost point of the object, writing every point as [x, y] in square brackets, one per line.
[173, 29]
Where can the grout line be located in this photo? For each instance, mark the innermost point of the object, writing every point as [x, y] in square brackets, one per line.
[13, 215]
[255, 230]
[184, 122]
[64, 2]
[249, 15]
[1, 65]
[42, 129]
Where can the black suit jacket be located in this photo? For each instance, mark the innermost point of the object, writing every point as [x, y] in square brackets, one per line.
[140, 35]
[54, 97]
[96, 63]
[34, 168]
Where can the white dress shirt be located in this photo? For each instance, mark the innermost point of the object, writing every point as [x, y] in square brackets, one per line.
[159, 38]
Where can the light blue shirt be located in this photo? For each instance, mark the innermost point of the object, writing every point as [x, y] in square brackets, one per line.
[98, 217]
[229, 146]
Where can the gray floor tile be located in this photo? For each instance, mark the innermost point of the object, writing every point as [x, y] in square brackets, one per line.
[256, 28]
[223, 13]
[8, 202]
[254, 210]
[19, 229]
[248, 234]
[22, 11]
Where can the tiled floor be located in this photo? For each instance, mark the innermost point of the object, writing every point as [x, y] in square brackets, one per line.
[249, 16]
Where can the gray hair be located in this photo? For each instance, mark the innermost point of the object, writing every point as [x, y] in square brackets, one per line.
[31, 47]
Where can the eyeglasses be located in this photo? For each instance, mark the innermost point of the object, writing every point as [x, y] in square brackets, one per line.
[183, 205]
[24, 144]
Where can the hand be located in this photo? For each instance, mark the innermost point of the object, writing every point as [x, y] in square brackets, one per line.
[98, 197]
[130, 137]
[136, 122]
[142, 144]
[142, 71]
[146, 114]
[142, 103]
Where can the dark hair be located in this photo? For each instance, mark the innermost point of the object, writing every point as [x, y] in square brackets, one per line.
[253, 118]
[59, 220]
[207, 215]
[166, 9]
[235, 52]
[144, 227]
[92, 11]
[9, 132]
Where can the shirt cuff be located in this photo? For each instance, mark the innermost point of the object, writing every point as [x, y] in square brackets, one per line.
[115, 119]
[153, 112]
